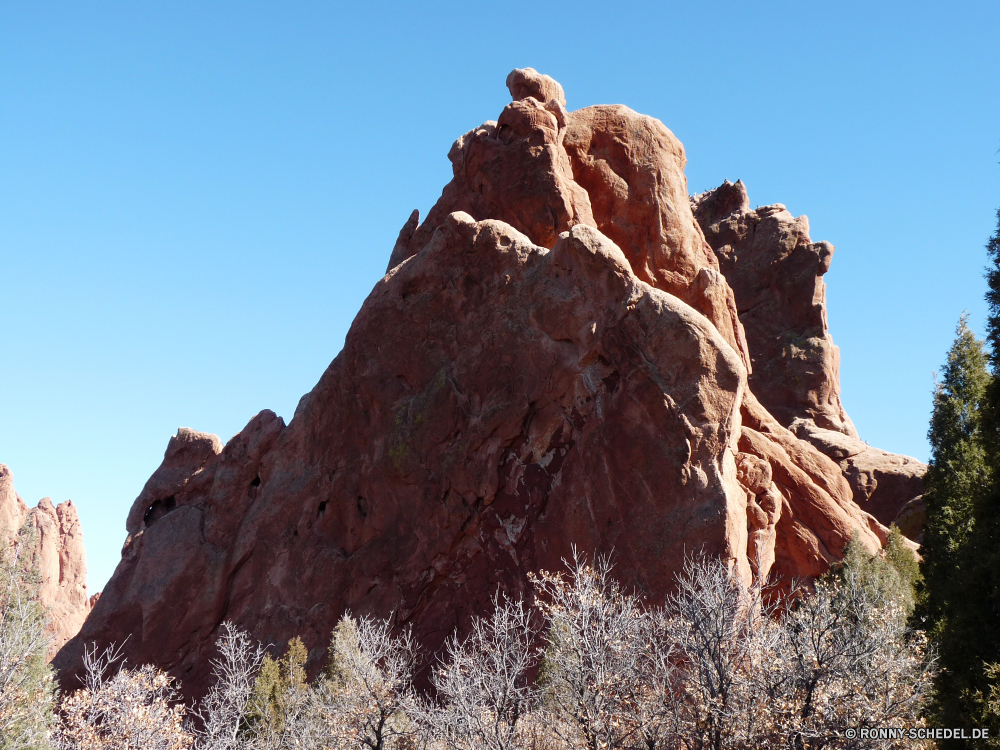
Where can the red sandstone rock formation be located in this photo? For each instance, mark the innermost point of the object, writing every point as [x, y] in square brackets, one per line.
[543, 170]
[58, 553]
[553, 358]
[776, 272]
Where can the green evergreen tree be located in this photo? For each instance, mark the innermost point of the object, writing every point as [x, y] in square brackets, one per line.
[956, 475]
[279, 689]
[974, 628]
[961, 601]
[889, 577]
[993, 302]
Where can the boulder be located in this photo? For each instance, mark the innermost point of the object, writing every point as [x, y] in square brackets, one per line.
[528, 82]
[58, 553]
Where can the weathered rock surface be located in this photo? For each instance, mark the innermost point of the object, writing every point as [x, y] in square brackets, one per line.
[887, 485]
[776, 272]
[543, 170]
[187, 452]
[58, 553]
[553, 358]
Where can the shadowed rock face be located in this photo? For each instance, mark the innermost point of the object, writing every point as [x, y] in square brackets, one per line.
[58, 553]
[552, 359]
[776, 273]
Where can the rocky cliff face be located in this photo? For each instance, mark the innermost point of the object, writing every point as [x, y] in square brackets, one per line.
[553, 358]
[58, 553]
[776, 272]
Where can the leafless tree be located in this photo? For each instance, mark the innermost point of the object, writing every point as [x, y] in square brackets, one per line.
[715, 667]
[303, 726]
[360, 702]
[725, 637]
[655, 712]
[596, 654]
[482, 683]
[719, 667]
[222, 714]
[368, 689]
[755, 675]
[849, 661]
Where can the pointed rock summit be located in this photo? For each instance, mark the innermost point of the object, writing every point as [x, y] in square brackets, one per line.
[556, 356]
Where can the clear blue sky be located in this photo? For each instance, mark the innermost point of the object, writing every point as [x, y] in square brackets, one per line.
[195, 198]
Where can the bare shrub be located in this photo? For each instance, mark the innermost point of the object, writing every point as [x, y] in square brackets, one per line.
[718, 667]
[128, 710]
[596, 658]
[367, 692]
[725, 638]
[715, 667]
[850, 662]
[482, 683]
[754, 676]
[222, 714]
[360, 702]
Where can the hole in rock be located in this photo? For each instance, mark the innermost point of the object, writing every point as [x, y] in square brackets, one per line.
[158, 510]
[321, 511]
[256, 482]
[363, 507]
[612, 380]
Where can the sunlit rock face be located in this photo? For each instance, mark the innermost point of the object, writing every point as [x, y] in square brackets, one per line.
[554, 358]
[57, 553]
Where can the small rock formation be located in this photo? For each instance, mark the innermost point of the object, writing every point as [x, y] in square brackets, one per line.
[553, 358]
[58, 553]
[186, 454]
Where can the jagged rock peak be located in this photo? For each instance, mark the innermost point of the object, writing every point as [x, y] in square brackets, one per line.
[776, 273]
[796, 366]
[544, 170]
[186, 453]
[58, 553]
